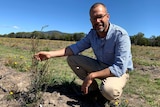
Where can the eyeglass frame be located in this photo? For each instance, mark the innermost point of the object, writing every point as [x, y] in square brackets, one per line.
[98, 17]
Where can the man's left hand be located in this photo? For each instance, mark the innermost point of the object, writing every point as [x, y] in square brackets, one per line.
[86, 83]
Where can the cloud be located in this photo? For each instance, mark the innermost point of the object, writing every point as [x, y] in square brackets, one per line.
[15, 27]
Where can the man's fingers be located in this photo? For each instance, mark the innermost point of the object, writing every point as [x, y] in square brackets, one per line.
[36, 56]
[85, 90]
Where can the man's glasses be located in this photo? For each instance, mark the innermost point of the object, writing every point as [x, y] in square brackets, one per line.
[98, 17]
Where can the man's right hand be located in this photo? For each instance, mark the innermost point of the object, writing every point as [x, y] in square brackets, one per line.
[40, 56]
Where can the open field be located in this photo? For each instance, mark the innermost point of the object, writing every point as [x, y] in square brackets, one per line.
[142, 90]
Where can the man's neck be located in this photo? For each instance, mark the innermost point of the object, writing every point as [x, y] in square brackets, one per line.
[102, 34]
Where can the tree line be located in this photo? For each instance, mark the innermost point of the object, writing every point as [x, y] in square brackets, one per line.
[43, 35]
[138, 39]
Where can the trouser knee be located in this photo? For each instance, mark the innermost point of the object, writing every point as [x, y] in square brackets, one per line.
[112, 87]
[110, 92]
[69, 60]
[72, 63]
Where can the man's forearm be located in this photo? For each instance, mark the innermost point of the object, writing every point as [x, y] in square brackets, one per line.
[101, 74]
[63, 52]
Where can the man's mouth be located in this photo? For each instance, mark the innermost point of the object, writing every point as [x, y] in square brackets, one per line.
[99, 25]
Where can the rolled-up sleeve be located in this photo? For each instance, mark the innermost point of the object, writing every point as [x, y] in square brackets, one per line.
[122, 54]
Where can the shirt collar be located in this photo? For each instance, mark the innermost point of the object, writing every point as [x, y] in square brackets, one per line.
[109, 31]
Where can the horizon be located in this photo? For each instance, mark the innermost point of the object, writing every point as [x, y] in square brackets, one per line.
[72, 33]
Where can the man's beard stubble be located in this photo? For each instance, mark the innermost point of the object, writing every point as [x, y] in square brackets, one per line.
[101, 29]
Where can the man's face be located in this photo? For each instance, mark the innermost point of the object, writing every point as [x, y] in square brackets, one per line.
[99, 19]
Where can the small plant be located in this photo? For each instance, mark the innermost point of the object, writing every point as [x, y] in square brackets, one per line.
[40, 72]
[18, 62]
[40, 75]
[10, 96]
[124, 103]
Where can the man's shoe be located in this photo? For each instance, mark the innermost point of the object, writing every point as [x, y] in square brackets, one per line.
[96, 97]
[101, 100]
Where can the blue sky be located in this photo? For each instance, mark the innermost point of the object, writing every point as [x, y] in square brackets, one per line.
[72, 16]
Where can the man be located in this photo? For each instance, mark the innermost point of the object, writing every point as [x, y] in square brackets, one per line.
[112, 48]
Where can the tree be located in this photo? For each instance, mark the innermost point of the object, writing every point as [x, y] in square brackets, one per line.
[11, 35]
[157, 39]
[139, 39]
[78, 36]
[152, 40]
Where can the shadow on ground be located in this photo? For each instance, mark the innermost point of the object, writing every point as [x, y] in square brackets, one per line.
[72, 91]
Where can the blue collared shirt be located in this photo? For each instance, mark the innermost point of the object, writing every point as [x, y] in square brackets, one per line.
[113, 50]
